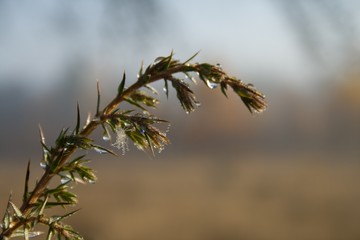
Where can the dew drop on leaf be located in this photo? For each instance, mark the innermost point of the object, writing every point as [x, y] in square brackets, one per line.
[35, 234]
[142, 130]
[106, 136]
[91, 181]
[43, 165]
[161, 149]
[211, 85]
[65, 180]
[101, 151]
[165, 89]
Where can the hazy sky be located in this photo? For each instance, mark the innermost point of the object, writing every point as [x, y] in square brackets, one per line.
[39, 40]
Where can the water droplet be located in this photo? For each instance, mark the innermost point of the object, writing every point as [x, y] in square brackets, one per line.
[106, 136]
[193, 80]
[35, 234]
[168, 128]
[142, 130]
[211, 85]
[65, 180]
[198, 104]
[91, 181]
[99, 150]
[88, 180]
[43, 165]
[161, 149]
[88, 119]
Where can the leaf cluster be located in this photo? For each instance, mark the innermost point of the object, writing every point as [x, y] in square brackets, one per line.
[136, 125]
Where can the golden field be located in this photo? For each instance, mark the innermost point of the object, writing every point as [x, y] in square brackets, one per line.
[205, 197]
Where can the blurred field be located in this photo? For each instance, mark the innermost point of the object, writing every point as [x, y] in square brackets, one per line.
[206, 198]
[291, 173]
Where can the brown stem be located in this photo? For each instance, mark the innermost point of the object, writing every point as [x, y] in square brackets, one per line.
[48, 174]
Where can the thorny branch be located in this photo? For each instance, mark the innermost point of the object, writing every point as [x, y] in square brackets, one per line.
[139, 127]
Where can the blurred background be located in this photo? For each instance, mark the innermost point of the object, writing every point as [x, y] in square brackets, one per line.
[291, 172]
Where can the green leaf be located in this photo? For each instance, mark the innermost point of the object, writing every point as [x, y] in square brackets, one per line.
[61, 194]
[26, 188]
[101, 149]
[191, 58]
[190, 77]
[78, 159]
[166, 88]
[66, 215]
[17, 211]
[169, 60]
[141, 97]
[141, 71]
[185, 95]
[45, 149]
[223, 88]
[132, 102]
[50, 233]
[152, 89]
[7, 216]
[98, 98]
[122, 85]
[26, 233]
[61, 139]
[43, 205]
[77, 128]
[149, 144]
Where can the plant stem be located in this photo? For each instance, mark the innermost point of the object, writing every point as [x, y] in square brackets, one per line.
[165, 68]
[88, 129]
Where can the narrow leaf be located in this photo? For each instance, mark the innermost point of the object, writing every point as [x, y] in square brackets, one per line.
[26, 188]
[67, 215]
[42, 138]
[166, 88]
[35, 234]
[122, 85]
[150, 144]
[26, 232]
[169, 60]
[141, 70]
[44, 205]
[17, 211]
[136, 104]
[152, 89]
[77, 128]
[55, 204]
[45, 149]
[50, 233]
[191, 58]
[98, 99]
[101, 149]
[223, 88]
[7, 216]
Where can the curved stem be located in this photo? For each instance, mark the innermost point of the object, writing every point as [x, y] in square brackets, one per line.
[88, 129]
[165, 68]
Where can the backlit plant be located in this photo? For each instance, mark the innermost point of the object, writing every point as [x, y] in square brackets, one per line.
[136, 125]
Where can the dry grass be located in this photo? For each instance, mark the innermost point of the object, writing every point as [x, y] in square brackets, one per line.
[208, 199]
